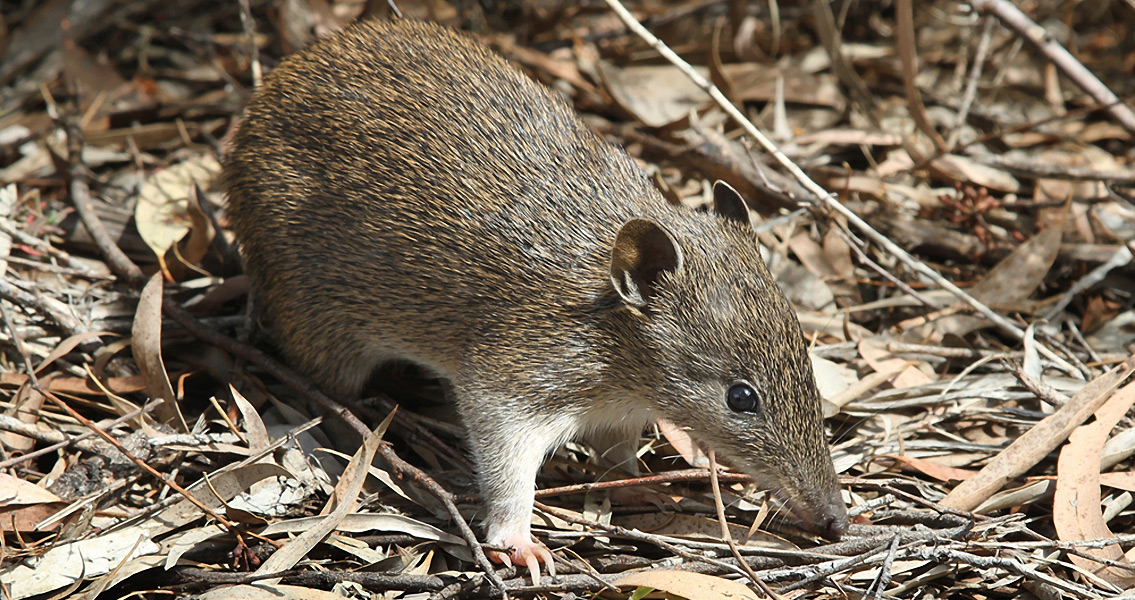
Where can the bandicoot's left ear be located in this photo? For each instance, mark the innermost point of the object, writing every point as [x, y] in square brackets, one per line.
[728, 203]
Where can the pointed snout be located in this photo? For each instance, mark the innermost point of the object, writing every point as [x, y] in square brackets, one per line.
[827, 519]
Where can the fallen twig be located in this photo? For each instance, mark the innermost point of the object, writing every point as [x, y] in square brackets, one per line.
[904, 41]
[659, 478]
[971, 82]
[141, 464]
[1019, 22]
[116, 259]
[727, 536]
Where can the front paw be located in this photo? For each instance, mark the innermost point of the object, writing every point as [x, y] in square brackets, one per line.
[523, 551]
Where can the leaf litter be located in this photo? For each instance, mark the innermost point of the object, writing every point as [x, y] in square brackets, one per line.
[983, 454]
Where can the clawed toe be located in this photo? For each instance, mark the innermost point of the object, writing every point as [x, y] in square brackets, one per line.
[529, 554]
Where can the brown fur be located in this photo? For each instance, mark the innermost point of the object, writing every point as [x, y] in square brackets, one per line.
[399, 191]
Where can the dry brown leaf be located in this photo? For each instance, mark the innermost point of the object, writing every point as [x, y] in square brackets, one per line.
[1038, 441]
[366, 522]
[102, 87]
[534, 60]
[874, 351]
[687, 584]
[1018, 275]
[1028, 493]
[257, 433]
[1076, 511]
[146, 135]
[756, 82]
[65, 347]
[66, 566]
[806, 291]
[835, 328]
[182, 259]
[837, 254]
[1102, 130]
[1076, 155]
[837, 384]
[79, 387]
[844, 136]
[717, 74]
[24, 504]
[683, 444]
[656, 96]
[162, 214]
[1098, 310]
[811, 255]
[17, 492]
[378, 473]
[346, 496]
[848, 183]
[26, 408]
[860, 387]
[66, 563]
[1122, 481]
[954, 167]
[147, 349]
[220, 489]
[660, 95]
[26, 518]
[929, 467]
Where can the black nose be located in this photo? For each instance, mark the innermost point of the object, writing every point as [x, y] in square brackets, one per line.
[831, 527]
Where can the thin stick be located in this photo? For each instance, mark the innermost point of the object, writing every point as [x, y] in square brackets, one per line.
[116, 259]
[972, 81]
[1019, 22]
[666, 477]
[49, 307]
[641, 536]
[1037, 442]
[249, 26]
[908, 56]
[727, 536]
[1121, 257]
[902, 285]
[77, 440]
[884, 579]
[43, 246]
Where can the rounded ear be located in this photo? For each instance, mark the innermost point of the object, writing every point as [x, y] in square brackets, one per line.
[728, 203]
[642, 251]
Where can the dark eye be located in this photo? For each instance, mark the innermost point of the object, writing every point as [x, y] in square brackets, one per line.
[741, 397]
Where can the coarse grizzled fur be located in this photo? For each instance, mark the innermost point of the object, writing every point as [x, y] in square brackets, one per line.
[399, 191]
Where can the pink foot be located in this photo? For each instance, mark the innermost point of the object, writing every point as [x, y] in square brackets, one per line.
[525, 552]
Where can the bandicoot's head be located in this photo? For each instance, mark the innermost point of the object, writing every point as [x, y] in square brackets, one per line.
[731, 358]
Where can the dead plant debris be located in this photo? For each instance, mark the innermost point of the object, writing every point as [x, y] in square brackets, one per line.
[968, 291]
